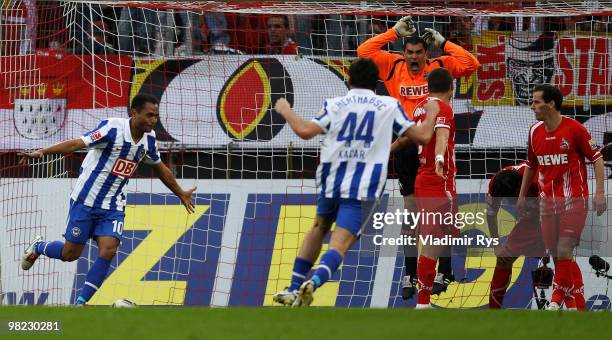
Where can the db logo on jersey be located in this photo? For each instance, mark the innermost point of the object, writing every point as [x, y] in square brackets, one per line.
[123, 168]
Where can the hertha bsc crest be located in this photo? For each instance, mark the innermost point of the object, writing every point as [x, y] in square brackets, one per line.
[39, 118]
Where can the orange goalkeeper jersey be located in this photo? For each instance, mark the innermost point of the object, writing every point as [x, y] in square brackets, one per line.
[401, 84]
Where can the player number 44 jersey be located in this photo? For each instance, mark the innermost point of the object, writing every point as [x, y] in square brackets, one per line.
[355, 150]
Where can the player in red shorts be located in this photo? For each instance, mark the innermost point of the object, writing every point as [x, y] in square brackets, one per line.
[435, 182]
[524, 239]
[557, 148]
[405, 77]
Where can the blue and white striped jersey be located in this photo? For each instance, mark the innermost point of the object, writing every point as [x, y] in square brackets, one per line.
[111, 160]
[355, 150]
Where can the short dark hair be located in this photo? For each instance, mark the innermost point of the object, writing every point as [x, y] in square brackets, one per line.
[363, 74]
[506, 183]
[414, 40]
[139, 102]
[550, 93]
[284, 17]
[439, 81]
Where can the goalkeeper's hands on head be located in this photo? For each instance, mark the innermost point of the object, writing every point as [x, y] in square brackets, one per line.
[404, 27]
[431, 36]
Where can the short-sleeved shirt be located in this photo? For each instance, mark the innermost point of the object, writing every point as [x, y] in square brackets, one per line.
[355, 150]
[426, 176]
[559, 157]
[111, 160]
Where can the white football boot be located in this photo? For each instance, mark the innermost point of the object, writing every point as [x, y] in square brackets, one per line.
[29, 255]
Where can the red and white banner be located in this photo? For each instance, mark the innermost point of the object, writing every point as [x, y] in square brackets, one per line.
[214, 100]
[512, 63]
[48, 98]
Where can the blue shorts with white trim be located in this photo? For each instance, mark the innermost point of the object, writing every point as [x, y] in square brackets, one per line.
[348, 213]
[86, 222]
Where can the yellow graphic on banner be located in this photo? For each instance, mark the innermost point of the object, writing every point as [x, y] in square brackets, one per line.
[166, 223]
[293, 224]
[476, 293]
[143, 68]
[58, 88]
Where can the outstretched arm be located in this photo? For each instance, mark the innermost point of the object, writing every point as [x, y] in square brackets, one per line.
[165, 175]
[65, 147]
[421, 133]
[303, 128]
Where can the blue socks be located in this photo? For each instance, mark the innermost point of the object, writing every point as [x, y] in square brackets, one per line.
[50, 249]
[93, 280]
[301, 267]
[328, 265]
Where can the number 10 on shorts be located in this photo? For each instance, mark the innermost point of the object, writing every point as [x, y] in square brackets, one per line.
[118, 227]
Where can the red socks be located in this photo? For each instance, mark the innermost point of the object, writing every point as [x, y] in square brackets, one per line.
[499, 285]
[426, 272]
[578, 291]
[563, 284]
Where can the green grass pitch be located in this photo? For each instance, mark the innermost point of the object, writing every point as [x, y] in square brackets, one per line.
[308, 323]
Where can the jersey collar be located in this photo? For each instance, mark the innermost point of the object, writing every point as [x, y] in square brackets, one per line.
[127, 132]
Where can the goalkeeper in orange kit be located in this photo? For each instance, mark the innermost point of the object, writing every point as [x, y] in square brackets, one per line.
[405, 77]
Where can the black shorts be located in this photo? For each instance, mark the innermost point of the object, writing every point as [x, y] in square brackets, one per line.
[407, 166]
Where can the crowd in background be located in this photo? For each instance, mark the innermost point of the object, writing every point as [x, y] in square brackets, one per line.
[103, 29]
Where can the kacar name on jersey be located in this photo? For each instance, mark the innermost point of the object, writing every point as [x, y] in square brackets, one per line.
[377, 103]
[556, 159]
[352, 154]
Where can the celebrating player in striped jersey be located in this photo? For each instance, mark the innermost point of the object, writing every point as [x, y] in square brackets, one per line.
[557, 148]
[405, 76]
[358, 131]
[97, 201]
[524, 239]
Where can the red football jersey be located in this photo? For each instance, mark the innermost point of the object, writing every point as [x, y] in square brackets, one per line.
[559, 157]
[494, 203]
[520, 168]
[426, 176]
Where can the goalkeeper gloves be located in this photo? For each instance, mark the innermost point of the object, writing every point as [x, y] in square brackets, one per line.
[433, 36]
[404, 27]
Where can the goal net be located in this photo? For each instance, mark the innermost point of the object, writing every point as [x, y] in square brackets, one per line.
[217, 69]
